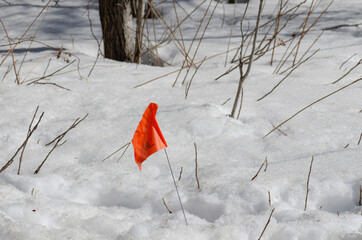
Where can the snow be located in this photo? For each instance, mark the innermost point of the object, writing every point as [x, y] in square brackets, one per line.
[76, 195]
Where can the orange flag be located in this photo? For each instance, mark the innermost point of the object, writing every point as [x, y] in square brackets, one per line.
[148, 138]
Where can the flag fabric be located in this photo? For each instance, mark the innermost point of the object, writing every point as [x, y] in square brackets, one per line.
[148, 137]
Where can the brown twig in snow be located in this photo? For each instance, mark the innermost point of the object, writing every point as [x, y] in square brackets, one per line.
[197, 178]
[280, 130]
[269, 198]
[26, 141]
[294, 68]
[306, 195]
[21, 38]
[119, 149]
[349, 71]
[360, 195]
[164, 203]
[22, 145]
[359, 141]
[12, 53]
[192, 43]
[347, 60]
[265, 162]
[301, 110]
[99, 52]
[244, 76]
[58, 139]
[181, 170]
[267, 223]
[123, 153]
[33, 81]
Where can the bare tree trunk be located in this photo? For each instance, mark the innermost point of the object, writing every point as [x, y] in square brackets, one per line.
[117, 28]
[139, 31]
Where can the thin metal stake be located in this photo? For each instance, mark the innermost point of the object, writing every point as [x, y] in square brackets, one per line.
[169, 164]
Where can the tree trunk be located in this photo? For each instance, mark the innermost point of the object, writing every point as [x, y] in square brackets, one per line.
[139, 31]
[117, 28]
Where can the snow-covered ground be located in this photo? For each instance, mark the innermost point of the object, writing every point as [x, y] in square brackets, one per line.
[77, 196]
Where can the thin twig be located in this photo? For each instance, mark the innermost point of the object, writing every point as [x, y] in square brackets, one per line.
[267, 223]
[57, 141]
[197, 178]
[260, 169]
[349, 71]
[26, 141]
[21, 38]
[192, 43]
[94, 36]
[243, 77]
[269, 198]
[164, 203]
[51, 83]
[360, 195]
[359, 141]
[231, 33]
[347, 60]
[123, 153]
[22, 145]
[306, 195]
[179, 177]
[280, 130]
[201, 38]
[294, 68]
[119, 149]
[226, 101]
[51, 74]
[12, 53]
[187, 89]
[301, 110]
[266, 163]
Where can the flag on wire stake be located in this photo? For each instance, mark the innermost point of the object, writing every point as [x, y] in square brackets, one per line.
[148, 139]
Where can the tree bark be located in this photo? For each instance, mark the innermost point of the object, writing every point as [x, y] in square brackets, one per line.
[117, 29]
[139, 31]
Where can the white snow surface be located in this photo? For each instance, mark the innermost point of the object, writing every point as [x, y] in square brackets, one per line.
[77, 196]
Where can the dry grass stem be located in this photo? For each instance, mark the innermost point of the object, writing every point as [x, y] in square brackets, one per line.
[360, 196]
[192, 43]
[181, 170]
[349, 71]
[282, 80]
[36, 80]
[269, 199]
[267, 223]
[58, 140]
[244, 76]
[26, 31]
[226, 101]
[125, 150]
[231, 33]
[347, 60]
[261, 166]
[119, 149]
[30, 132]
[164, 203]
[99, 52]
[306, 195]
[12, 53]
[197, 178]
[301, 110]
[280, 130]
